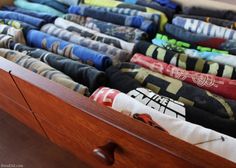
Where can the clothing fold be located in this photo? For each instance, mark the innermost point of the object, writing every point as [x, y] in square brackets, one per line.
[76, 52]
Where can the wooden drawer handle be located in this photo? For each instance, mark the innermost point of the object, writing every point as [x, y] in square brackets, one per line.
[106, 153]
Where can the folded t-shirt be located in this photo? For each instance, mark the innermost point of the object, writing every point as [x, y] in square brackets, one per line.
[146, 3]
[216, 21]
[48, 18]
[36, 7]
[169, 4]
[201, 11]
[37, 22]
[5, 41]
[221, 58]
[126, 11]
[42, 40]
[178, 110]
[183, 44]
[207, 5]
[70, 2]
[203, 40]
[120, 81]
[53, 4]
[201, 27]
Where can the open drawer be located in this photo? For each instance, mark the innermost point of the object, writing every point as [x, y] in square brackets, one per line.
[94, 133]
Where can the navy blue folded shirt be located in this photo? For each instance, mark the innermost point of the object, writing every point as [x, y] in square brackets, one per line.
[22, 17]
[168, 3]
[48, 18]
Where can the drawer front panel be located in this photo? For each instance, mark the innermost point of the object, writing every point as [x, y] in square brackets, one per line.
[68, 144]
[9, 89]
[89, 133]
[20, 114]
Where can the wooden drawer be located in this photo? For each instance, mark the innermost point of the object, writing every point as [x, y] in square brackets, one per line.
[90, 132]
[20, 114]
[86, 125]
[8, 87]
[69, 144]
